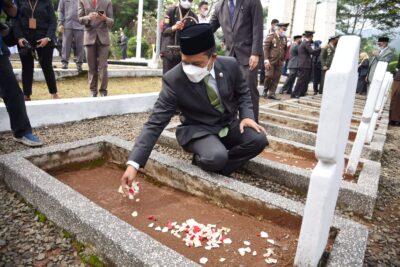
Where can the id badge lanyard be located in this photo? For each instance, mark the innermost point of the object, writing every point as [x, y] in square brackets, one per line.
[32, 20]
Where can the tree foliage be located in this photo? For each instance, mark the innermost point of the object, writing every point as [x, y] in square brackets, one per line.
[355, 15]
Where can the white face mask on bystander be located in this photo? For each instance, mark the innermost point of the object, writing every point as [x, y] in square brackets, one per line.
[186, 4]
[195, 74]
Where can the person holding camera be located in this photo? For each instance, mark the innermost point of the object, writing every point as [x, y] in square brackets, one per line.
[10, 90]
[97, 16]
[35, 29]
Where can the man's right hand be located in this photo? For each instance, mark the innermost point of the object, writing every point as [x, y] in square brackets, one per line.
[21, 42]
[325, 68]
[127, 178]
[61, 28]
[93, 15]
[178, 26]
[267, 66]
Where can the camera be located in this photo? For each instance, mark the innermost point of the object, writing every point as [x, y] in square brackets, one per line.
[26, 49]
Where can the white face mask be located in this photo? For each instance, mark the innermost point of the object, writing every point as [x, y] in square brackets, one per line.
[186, 4]
[204, 13]
[195, 74]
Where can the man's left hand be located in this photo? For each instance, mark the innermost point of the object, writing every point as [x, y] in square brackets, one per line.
[251, 124]
[253, 62]
[102, 17]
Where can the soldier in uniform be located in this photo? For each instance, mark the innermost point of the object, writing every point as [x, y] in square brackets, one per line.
[275, 46]
[304, 58]
[327, 54]
[175, 20]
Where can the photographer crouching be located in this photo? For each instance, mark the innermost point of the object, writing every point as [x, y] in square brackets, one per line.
[10, 90]
[35, 29]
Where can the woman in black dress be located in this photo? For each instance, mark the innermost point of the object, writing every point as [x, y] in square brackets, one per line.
[362, 74]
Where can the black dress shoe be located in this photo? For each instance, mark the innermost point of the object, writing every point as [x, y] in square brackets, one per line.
[295, 96]
[315, 93]
[273, 97]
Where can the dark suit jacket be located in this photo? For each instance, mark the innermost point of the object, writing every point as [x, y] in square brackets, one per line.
[293, 61]
[304, 54]
[245, 37]
[199, 118]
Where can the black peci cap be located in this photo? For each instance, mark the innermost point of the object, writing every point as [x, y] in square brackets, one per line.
[383, 39]
[308, 33]
[196, 39]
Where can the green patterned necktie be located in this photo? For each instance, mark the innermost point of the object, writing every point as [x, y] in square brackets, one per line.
[214, 100]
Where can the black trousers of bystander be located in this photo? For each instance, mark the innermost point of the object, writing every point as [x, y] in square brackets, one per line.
[13, 98]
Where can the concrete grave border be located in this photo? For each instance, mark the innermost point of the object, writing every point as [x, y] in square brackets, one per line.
[122, 243]
[56, 111]
[360, 197]
[372, 151]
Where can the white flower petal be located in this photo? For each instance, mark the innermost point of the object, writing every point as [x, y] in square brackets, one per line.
[134, 214]
[263, 234]
[271, 261]
[247, 243]
[203, 260]
[271, 241]
[222, 259]
[227, 241]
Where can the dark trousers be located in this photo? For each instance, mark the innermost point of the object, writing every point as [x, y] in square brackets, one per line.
[169, 63]
[289, 83]
[261, 67]
[317, 80]
[302, 82]
[321, 87]
[123, 52]
[362, 85]
[225, 155]
[45, 56]
[13, 99]
[251, 78]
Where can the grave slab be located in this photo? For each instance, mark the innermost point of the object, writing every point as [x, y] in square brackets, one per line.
[123, 244]
[332, 137]
[370, 105]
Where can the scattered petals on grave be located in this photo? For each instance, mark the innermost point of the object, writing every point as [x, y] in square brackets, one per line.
[271, 261]
[132, 191]
[263, 234]
[203, 260]
[196, 234]
[271, 241]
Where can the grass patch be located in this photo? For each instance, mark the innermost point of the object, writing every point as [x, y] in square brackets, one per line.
[73, 87]
[40, 217]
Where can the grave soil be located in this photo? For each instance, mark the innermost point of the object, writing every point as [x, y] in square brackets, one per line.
[302, 159]
[100, 184]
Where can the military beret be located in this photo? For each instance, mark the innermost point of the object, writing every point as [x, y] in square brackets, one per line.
[196, 38]
[383, 39]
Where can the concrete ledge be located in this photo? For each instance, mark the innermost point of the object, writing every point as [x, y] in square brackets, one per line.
[47, 112]
[38, 75]
[360, 197]
[122, 243]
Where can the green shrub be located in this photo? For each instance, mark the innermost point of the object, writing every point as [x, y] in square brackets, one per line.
[146, 48]
[392, 67]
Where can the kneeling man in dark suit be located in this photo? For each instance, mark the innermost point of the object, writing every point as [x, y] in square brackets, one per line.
[217, 117]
